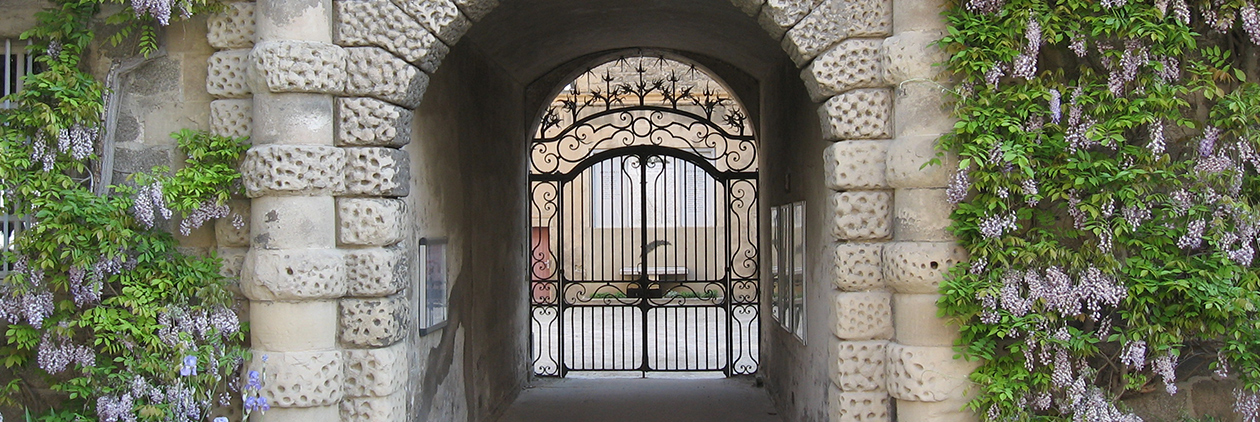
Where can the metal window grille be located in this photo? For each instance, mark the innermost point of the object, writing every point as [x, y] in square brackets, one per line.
[17, 64]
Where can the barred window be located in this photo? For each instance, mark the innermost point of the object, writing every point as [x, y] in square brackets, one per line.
[17, 64]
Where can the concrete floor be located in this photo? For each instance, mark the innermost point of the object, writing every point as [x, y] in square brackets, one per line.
[651, 399]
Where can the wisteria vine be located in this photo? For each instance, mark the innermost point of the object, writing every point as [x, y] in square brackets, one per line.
[1106, 190]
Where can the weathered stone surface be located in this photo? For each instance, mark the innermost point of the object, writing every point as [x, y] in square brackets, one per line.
[953, 410]
[293, 326]
[376, 372]
[834, 20]
[375, 409]
[226, 74]
[912, 55]
[226, 230]
[233, 261]
[857, 114]
[767, 23]
[376, 272]
[867, 18]
[299, 66]
[916, 322]
[857, 267]
[441, 17]
[918, 15]
[921, 109]
[926, 374]
[293, 274]
[919, 267]
[369, 221]
[907, 156]
[859, 407]
[749, 7]
[859, 365]
[293, 170]
[233, 27]
[373, 72]
[293, 222]
[331, 413]
[863, 316]
[853, 63]
[233, 118]
[861, 215]
[377, 171]
[301, 379]
[476, 9]
[380, 23]
[856, 165]
[376, 322]
[371, 122]
[922, 215]
[786, 13]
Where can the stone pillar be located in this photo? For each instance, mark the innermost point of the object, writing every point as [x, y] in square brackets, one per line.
[923, 376]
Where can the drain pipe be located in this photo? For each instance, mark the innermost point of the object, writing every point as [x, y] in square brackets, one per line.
[113, 92]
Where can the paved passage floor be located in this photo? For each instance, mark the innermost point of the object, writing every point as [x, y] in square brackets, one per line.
[642, 399]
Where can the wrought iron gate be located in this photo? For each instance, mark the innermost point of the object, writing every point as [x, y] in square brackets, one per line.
[644, 227]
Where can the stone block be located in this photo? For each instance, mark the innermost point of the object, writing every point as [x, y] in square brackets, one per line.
[861, 215]
[476, 9]
[441, 17]
[918, 15]
[867, 18]
[859, 407]
[330, 413]
[373, 72]
[369, 221]
[377, 171]
[233, 27]
[376, 372]
[293, 222]
[226, 230]
[853, 63]
[927, 374]
[786, 13]
[767, 23]
[292, 118]
[293, 170]
[919, 267]
[293, 274]
[293, 326]
[859, 365]
[816, 32]
[376, 322]
[381, 23]
[371, 122]
[922, 215]
[233, 118]
[749, 7]
[301, 379]
[299, 66]
[946, 411]
[227, 74]
[917, 324]
[922, 109]
[856, 165]
[376, 272]
[912, 56]
[857, 114]
[857, 267]
[863, 316]
[908, 157]
[375, 409]
[233, 261]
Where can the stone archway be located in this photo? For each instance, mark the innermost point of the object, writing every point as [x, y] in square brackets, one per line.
[326, 89]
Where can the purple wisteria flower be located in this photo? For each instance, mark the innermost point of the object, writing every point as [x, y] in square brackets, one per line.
[189, 366]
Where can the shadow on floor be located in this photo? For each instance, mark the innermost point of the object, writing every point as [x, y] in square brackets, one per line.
[642, 399]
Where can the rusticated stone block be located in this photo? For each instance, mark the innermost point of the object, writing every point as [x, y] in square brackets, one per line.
[369, 221]
[866, 18]
[912, 55]
[816, 32]
[375, 409]
[376, 372]
[371, 122]
[301, 379]
[920, 267]
[476, 9]
[857, 114]
[859, 407]
[293, 170]
[376, 272]
[786, 13]
[374, 72]
[300, 66]
[857, 267]
[233, 118]
[377, 171]
[383, 24]
[749, 7]
[376, 322]
[293, 274]
[227, 73]
[441, 17]
[862, 215]
[863, 316]
[853, 63]
[917, 324]
[226, 230]
[233, 261]
[767, 23]
[922, 215]
[859, 365]
[926, 374]
[233, 27]
[856, 165]
[906, 164]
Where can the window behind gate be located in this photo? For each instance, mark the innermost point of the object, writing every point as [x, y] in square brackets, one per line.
[17, 64]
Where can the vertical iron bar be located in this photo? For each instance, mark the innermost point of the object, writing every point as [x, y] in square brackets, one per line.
[561, 243]
[730, 316]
